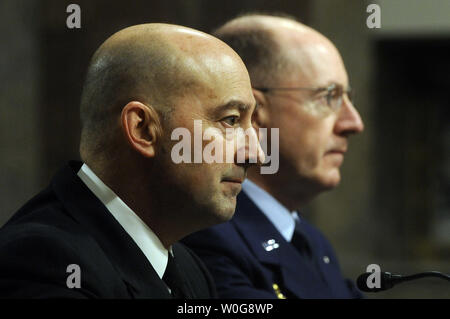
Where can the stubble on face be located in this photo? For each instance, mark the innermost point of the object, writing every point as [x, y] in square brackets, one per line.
[212, 187]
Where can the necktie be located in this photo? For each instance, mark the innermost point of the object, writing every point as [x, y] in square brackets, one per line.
[173, 279]
[300, 242]
[303, 245]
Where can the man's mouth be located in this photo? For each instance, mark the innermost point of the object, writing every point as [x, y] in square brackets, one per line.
[238, 177]
[341, 149]
[235, 175]
[337, 152]
[233, 180]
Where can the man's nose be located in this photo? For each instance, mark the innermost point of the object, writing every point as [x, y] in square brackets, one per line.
[349, 121]
[250, 149]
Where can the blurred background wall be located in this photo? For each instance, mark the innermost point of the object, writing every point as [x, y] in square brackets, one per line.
[393, 205]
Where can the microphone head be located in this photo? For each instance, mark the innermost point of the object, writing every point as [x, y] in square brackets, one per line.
[386, 281]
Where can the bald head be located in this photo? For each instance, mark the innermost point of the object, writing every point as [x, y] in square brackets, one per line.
[152, 63]
[271, 45]
[303, 87]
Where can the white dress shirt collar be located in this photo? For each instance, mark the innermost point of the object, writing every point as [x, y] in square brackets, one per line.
[280, 216]
[142, 235]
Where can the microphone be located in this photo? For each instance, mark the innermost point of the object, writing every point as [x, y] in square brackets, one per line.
[388, 280]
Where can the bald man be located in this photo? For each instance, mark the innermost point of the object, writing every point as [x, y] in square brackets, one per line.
[108, 227]
[301, 86]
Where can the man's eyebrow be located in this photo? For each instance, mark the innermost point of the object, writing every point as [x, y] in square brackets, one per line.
[233, 104]
[336, 84]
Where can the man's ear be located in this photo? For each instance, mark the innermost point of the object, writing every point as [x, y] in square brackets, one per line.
[141, 127]
[260, 117]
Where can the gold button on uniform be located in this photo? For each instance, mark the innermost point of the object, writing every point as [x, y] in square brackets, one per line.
[277, 290]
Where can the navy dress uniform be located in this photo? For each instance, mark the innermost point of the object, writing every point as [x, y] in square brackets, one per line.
[250, 258]
[67, 224]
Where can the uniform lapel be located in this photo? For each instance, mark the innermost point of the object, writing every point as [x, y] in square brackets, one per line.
[302, 275]
[270, 247]
[140, 278]
[257, 231]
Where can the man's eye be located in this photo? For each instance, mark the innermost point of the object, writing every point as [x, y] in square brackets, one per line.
[324, 98]
[231, 120]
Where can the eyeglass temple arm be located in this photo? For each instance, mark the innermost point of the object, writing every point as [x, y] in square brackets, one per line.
[264, 90]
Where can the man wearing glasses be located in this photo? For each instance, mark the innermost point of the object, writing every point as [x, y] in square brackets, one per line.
[301, 86]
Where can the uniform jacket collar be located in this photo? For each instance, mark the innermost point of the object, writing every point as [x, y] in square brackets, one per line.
[299, 276]
[129, 261]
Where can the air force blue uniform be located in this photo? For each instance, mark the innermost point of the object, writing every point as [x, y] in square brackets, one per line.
[249, 258]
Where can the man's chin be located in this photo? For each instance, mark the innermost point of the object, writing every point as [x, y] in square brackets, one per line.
[226, 209]
[222, 210]
[331, 180]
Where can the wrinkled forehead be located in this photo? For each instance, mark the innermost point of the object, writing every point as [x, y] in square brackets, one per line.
[210, 70]
[209, 84]
[208, 67]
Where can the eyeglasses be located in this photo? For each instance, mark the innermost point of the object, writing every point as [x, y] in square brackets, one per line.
[334, 93]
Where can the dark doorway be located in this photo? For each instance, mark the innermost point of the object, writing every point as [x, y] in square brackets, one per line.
[413, 147]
